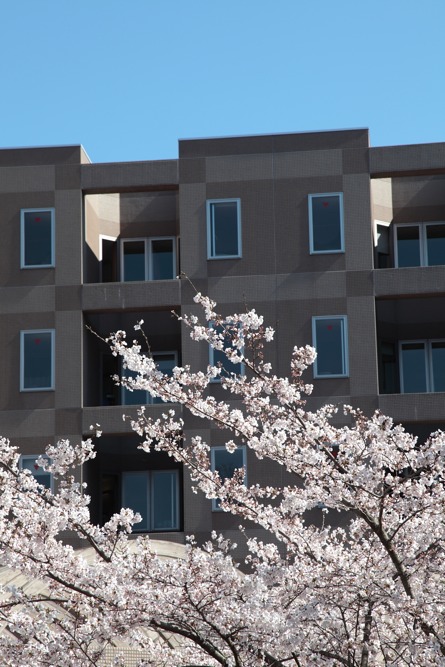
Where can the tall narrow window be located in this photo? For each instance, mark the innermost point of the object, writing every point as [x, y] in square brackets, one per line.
[134, 261]
[136, 495]
[223, 228]
[438, 365]
[382, 246]
[133, 396]
[37, 360]
[225, 463]
[154, 495]
[110, 495]
[413, 367]
[330, 339]
[326, 223]
[164, 500]
[148, 259]
[42, 476]
[408, 245]
[161, 261]
[435, 244]
[219, 358]
[388, 378]
[108, 258]
[166, 362]
[37, 238]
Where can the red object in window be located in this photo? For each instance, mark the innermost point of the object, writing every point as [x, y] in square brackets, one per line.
[325, 204]
[37, 341]
[37, 219]
[36, 467]
[329, 327]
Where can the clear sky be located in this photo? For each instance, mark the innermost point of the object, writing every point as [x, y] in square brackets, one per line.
[128, 78]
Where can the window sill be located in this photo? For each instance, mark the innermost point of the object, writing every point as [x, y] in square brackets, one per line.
[327, 252]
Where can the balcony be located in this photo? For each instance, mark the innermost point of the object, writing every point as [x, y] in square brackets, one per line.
[411, 340]
[163, 332]
[106, 297]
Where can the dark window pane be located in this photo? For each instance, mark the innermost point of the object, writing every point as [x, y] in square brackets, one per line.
[218, 357]
[165, 361]
[135, 495]
[438, 363]
[110, 493]
[326, 224]
[134, 260]
[164, 499]
[382, 248]
[408, 246]
[110, 390]
[329, 343]
[162, 260]
[225, 464]
[37, 360]
[38, 238]
[224, 217]
[413, 368]
[388, 365]
[108, 263]
[42, 476]
[435, 242]
[136, 397]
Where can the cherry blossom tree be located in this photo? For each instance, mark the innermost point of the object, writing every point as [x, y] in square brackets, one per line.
[369, 593]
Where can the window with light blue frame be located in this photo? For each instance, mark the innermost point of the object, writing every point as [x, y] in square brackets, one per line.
[223, 228]
[330, 339]
[148, 259]
[326, 233]
[219, 358]
[422, 366]
[42, 476]
[165, 361]
[37, 238]
[37, 360]
[225, 463]
[421, 244]
[154, 494]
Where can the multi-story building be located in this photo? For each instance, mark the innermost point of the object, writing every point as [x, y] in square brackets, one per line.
[334, 242]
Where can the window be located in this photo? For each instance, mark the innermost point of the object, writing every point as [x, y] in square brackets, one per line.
[107, 258]
[382, 244]
[225, 463]
[326, 223]
[421, 244]
[165, 361]
[218, 357]
[223, 228]
[148, 259]
[110, 391]
[154, 495]
[388, 372]
[330, 339]
[422, 366]
[42, 476]
[37, 360]
[37, 238]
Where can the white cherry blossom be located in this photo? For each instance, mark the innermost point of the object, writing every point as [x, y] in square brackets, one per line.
[367, 594]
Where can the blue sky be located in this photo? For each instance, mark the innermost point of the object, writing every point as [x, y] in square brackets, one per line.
[127, 78]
